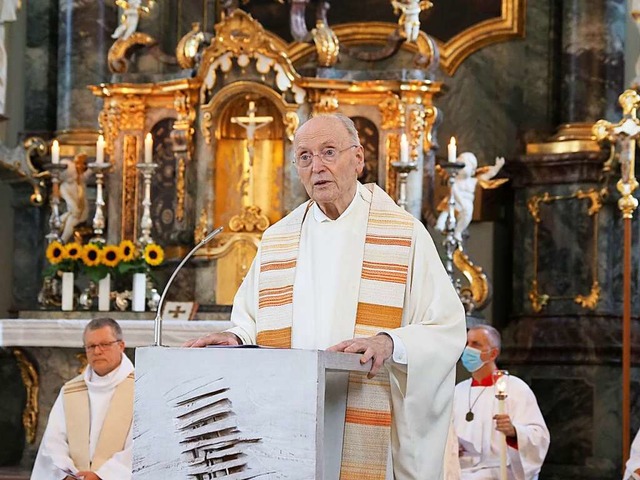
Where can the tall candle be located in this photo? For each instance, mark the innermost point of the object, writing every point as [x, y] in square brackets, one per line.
[55, 152]
[148, 148]
[404, 149]
[452, 150]
[100, 149]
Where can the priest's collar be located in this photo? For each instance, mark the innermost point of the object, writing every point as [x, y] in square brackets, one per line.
[485, 382]
[320, 217]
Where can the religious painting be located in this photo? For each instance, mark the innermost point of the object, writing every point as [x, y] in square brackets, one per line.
[460, 27]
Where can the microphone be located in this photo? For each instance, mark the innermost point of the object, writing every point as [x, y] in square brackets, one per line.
[157, 327]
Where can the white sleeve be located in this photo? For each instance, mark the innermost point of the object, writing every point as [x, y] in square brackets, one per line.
[245, 305]
[53, 454]
[119, 466]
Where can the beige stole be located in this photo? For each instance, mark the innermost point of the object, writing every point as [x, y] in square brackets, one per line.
[115, 429]
[380, 302]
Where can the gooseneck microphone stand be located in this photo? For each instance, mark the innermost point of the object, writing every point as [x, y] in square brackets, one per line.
[158, 320]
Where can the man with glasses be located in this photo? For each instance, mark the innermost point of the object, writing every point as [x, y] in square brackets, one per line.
[350, 271]
[89, 432]
[479, 426]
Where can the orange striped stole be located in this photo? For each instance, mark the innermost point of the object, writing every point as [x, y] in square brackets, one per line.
[380, 300]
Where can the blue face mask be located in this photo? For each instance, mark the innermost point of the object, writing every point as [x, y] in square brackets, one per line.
[471, 359]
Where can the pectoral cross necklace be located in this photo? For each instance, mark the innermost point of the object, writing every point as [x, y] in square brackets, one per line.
[469, 416]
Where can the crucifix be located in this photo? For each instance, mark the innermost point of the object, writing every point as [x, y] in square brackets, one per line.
[176, 312]
[625, 133]
[251, 122]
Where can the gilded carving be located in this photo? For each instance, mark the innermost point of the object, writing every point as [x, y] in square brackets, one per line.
[203, 226]
[478, 289]
[327, 44]
[392, 111]
[189, 45]
[327, 103]
[31, 383]
[180, 190]
[121, 49]
[207, 126]
[430, 117]
[251, 218]
[291, 123]
[392, 155]
[83, 361]
[129, 188]
[416, 129]
[540, 300]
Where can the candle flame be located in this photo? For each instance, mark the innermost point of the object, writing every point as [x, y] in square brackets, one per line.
[452, 141]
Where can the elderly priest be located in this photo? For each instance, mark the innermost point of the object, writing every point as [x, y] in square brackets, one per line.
[351, 271]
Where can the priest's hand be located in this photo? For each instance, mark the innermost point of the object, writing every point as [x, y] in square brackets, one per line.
[377, 348]
[222, 338]
[88, 475]
[504, 425]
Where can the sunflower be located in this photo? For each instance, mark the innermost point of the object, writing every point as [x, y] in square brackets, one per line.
[73, 250]
[91, 255]
[110, 256]
[127, 250]
[56, 253]
[153, 254]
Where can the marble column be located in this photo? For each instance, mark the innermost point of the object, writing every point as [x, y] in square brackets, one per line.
[592, 59]
[40, 67]
[570, 354]
[84, 38]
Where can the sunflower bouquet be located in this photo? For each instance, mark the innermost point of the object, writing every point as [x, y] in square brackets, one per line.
[96, 260]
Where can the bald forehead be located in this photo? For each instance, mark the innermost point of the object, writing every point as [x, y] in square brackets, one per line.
[322, 126]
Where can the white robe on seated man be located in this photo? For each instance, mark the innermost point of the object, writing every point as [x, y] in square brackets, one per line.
[633, 463]
[479, 440]
[54, 458]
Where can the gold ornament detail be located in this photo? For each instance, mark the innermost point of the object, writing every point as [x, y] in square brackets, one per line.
[120, 50]
[202, 228]
[327, 103]
[392, 111]
[207, 126]
[189, 45]
[251, 218]
[291, 123]
[129, 188]
[478, 289]
[180, 190]
[393, 149]
[327, 44]
[82, 359]
[416, 129]
[539, 300]
[31, 382]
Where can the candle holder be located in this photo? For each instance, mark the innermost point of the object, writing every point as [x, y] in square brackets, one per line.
[403, 169]
[500, 385]
[55, 224]
[146, 223]
[450, 243]
[98, 219]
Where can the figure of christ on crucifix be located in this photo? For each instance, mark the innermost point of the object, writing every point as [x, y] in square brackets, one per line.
[250, 123]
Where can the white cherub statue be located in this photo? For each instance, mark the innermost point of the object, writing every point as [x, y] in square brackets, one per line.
[73, 190]
[464, 191]
[129, 20]
[410, 18]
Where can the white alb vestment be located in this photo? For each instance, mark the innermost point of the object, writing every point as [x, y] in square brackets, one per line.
[480, 441]
[325, 298]
[633, 463]
[53, 456]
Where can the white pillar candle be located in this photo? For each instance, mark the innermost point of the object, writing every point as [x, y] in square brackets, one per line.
[452, 150]
[100, 149]
[404, 149]
[55, 152]
[148, 148]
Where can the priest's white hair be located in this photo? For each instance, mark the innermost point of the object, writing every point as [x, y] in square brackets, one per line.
[492, 333]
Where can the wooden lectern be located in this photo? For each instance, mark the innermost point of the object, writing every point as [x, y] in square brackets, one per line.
[239, 413]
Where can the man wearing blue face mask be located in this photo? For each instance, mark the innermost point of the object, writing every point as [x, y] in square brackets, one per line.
[479, 427]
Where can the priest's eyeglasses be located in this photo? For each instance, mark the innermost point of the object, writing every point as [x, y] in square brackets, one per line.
[101, 346]
[327, 156]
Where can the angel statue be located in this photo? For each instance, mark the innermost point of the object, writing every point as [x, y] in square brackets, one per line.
[464, 191]
[129, 20]
[73, 190]
[410, 18]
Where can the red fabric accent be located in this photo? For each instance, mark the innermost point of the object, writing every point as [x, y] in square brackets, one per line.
[512, 442]
[485, 382]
